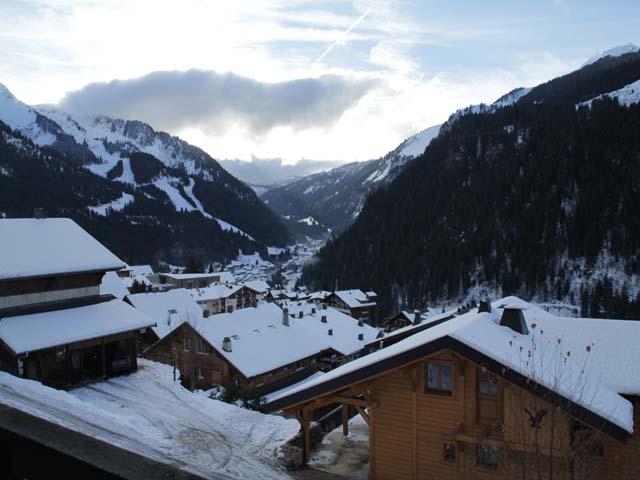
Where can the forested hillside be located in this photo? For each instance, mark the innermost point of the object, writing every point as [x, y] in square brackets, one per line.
[537, 199]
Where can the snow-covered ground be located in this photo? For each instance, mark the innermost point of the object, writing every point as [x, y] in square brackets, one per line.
[148, 413]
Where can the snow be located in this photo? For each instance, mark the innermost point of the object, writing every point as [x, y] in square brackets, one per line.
[227, 227]
[168, 309]
[511, 97]
[354, 298]
[112, 284]
[415, 146]
[115, 205]
[309, 221]
[189, 191]
[626, 95]
[170, 188]
[276, 250]
[37, 247]
[21, 117]
[60, 327]
[259, 286]
[260, 329]
[150, 414]
[253, 259]
[614, 52]
[589, 361]
[213, 292]
[278, 393]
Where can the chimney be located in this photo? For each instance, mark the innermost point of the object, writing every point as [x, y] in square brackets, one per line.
[285, 317]
[323, 319]
[360, 323]
[226, 344]
[313, 310]
[513, 318]
[331, 331]
[360, 336]
[38, 213]
[324, 306]
[301, 314]
[416, 317]
[485, 306]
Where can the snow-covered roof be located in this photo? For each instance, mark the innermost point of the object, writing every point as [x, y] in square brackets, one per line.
[355, 298]
[112, 284]
[168, 309]
[319, 295]
[259, 286]
[189, 276]
[213, 292]
[36, 331]
[590, 362]
[260, 329]
[51, 246]
[139, 269]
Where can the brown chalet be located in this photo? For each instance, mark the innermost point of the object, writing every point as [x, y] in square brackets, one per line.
[55, 327]
[356, 303]
[509, 391]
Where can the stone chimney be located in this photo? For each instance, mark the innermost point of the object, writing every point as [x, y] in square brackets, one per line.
[361, 336]
[331, 331]
[360, 323]
[416, 317]
[313, 310]
[226, 344]
[323, 319]
[285, 317]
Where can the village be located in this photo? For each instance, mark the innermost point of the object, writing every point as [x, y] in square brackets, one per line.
[224, 376]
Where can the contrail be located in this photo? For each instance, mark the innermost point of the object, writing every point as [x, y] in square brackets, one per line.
[344, 35]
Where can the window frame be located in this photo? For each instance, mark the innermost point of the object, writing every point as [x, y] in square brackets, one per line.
[439, 392]
[445, 448]
[491, 466]
[206, 350]
[479, 382]
[186, 344]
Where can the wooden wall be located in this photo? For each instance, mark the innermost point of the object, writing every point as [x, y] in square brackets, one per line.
[410, 427]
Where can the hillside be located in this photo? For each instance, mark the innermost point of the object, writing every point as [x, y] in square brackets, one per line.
[146, 194]
[333, 199]
[536, 198]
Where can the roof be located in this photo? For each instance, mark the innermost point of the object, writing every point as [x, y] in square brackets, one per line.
[188, 276]
[139, 269]
[260, 329]
[51, 246]
[598, 358]
[214, 292]
[168, 309]
[319, 295]
[259, 286]
[354, 298]
[36, 331]
[112, 284]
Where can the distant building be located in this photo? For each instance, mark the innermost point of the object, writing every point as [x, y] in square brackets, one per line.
[260, 287]
[356, 303]
[264, 346]
[224, 298]
[55, 326]
[166, 281]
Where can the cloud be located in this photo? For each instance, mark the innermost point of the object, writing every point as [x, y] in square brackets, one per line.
[215, 102]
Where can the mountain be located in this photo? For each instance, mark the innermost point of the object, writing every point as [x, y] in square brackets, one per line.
[536, 197]
[143, 180]
[263, 173]
[332, 200]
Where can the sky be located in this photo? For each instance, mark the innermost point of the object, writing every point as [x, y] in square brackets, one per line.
[293, 79]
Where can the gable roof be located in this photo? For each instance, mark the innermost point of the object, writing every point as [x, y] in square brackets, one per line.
[47, 329]
[214, 292]
[51, 246]
[168, 309]
[259, 286]
[260, 329]
[112, 284]
[598, 358]
[354, 298]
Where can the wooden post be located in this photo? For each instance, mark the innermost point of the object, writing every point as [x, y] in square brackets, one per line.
[67, 365]
[104, 359]
[345, 420]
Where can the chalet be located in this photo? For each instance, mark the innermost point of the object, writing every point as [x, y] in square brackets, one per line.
[275, 295]
[319, 296]
[224, 298]
[166, 281]
[225, 347]
[503, 391]
[420, 323]
[55, 326]
[402, 319]
[360, 305]
[260, 287]
[168, 310]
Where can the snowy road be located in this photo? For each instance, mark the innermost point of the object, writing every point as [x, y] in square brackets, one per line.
[150, 414]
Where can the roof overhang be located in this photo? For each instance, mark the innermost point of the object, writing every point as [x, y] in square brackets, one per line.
[380, 367]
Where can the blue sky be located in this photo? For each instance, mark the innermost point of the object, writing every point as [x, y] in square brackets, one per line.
[325, 80]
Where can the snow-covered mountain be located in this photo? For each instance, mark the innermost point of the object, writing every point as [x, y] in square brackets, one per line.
[146, 166]
[334, 198]
[613, 52]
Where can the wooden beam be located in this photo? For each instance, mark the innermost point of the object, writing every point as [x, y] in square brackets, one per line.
[363, 414]
[350, 401]
[345, 420]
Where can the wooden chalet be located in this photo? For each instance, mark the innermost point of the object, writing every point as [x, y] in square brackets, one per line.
[291, 344]
[514, 392]
[55, 326]
[165, 281]
[217, 299]
[356, 303]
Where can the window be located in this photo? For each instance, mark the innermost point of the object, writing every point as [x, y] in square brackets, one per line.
[203, 346]
[487, 456]
[450, 452]
[487, 384]
[439, 378]
[186, 344]
[197, 373]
